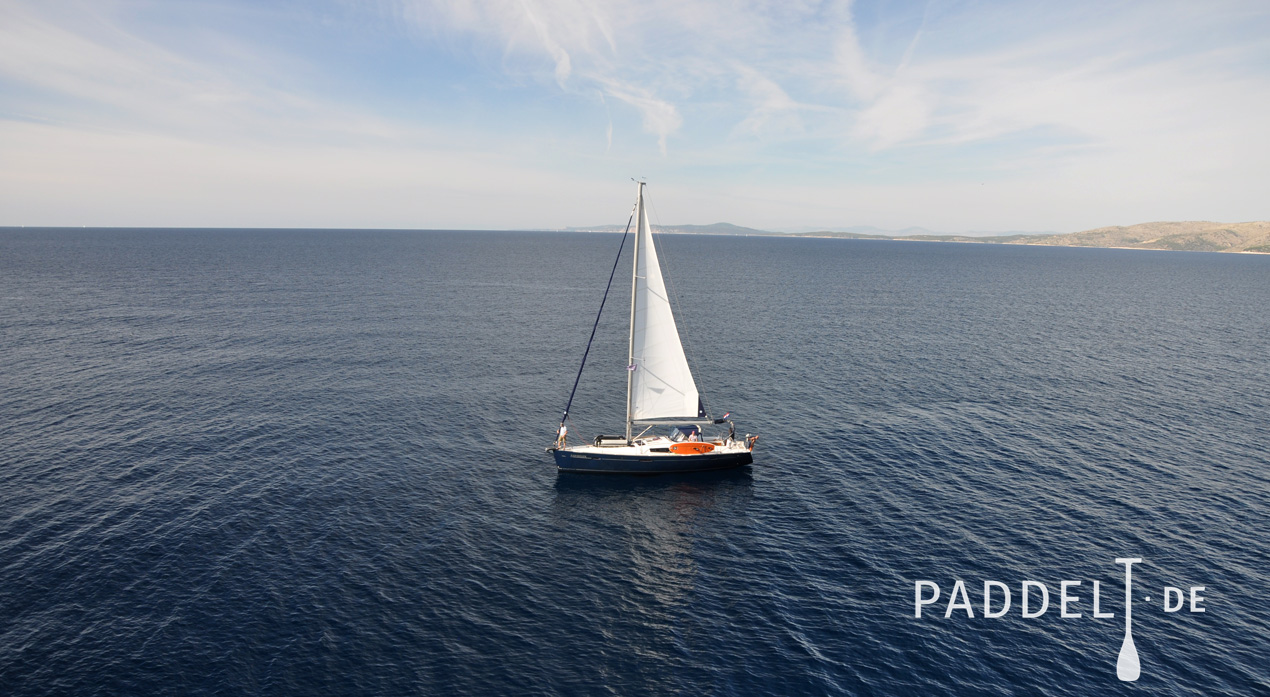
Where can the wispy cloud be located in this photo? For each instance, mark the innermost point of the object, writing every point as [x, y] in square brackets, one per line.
[81, 66]
[774, 111]
[656, 57]
[576, 39]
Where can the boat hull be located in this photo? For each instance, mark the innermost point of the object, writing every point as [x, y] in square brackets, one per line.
[605, 463]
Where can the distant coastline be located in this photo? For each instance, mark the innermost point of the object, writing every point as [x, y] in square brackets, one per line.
[1189, 236]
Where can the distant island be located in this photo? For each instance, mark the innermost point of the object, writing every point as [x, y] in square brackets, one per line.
[1192, 236]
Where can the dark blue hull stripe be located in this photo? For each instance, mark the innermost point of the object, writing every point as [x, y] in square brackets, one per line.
[634, 464]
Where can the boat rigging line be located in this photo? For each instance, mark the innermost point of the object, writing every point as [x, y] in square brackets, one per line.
[561, 431]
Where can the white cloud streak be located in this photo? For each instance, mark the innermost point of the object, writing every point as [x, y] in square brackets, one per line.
[96, 72]
[651, 56]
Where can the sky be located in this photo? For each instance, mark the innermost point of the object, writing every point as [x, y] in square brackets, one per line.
[788, 115]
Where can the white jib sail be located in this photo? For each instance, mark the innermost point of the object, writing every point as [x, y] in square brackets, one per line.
[662, 385]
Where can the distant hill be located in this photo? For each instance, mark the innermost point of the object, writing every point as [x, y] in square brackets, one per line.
[1191, 236]
[862, 232]
[924, 236]
[714, 229]
[1194, 236]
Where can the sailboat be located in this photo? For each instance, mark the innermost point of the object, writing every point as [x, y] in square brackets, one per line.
[660, 390]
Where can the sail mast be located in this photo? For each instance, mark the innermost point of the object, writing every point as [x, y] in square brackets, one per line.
[630, 340]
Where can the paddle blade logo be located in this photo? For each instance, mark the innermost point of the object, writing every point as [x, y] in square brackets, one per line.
[1034, 601]
[1127, 666]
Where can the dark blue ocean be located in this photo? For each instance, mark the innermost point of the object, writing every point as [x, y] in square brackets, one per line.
[312, 463]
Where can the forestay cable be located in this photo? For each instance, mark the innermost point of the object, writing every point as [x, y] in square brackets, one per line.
[560, 432]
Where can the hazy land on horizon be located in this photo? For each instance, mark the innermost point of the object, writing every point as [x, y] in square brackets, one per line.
[1189, 236]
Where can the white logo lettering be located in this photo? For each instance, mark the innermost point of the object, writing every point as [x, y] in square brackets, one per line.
[987, 598]
[918, 602]
[1045, 598]
[1035, 600]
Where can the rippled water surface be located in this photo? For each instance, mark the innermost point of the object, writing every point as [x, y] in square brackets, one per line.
[311, 463]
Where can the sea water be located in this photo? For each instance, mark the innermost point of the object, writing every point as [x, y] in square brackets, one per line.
[312, 463]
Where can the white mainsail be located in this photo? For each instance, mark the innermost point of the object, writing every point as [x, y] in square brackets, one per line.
[661, 385]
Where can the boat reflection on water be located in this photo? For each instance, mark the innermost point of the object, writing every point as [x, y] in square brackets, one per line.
[654, 502]
[699, 481]
[665, 540]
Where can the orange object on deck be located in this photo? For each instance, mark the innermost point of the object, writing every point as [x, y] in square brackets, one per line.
[691, 448]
